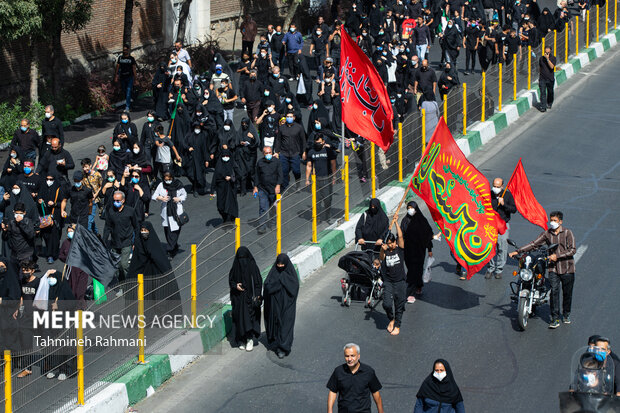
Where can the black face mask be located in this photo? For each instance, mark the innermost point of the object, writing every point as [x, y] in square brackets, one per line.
[424, 68]
[25, 278]
[2, 270]
[318, 146]
[144, 235]
[447, 70]
[280, 269]
[373, 211]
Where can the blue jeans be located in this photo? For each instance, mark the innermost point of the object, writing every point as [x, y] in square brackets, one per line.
[92, 226]
[421, 50]
[265, 201]
[127, 87]
[290, 163]
[496, 264]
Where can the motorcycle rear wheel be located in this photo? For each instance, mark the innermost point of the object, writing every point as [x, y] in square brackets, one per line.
[523, 314]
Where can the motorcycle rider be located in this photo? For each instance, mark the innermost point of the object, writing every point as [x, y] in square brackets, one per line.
[561, 265]
[603, 343]
[503, 202]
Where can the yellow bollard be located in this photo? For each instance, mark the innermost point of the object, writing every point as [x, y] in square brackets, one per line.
[587, 28]
[279, 224]
[514, 76]
[529, 67]
[543, 45]
[464, 109]
[8, 388]
[500, 87]
[423, 130]
[314, 235]
[484, 95]
[193, 293]
[373, 184]
[565, 42]
[141, 315]
[576, 35]
[445, 108]
[597, 19]
[615, 14]
[237, 233]
[607, 17]
[400, 152]
[80, 359]
[555, 46]
[346, 188]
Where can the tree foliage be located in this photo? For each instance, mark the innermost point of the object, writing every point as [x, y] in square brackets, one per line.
[19, 18]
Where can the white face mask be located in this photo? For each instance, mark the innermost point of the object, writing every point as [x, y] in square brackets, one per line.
[48, 115]
[226, 127]
[225, 158]
[270, 109]
[168, 182]
[20, 216]
[440, 376]
[136, 151]
[496, 190]
[16, 191]
[554, 225]
[52, 281]
[411, 212]
[197, 131]
[50, 183]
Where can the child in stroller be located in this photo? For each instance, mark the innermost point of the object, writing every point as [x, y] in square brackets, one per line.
[363, 281]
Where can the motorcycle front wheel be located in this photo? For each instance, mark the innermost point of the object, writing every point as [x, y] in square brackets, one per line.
[523, 314]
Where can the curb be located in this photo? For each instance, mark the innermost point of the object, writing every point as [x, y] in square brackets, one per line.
[96, 113]
[132, 386]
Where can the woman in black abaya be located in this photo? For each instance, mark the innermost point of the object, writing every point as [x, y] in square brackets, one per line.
[372, 226]
[224, 181]
[119, 158]
[439, 391]
[196, 155]
[280, 296]
[245, 283]
[161, 291]
[418, 236]
[245, 155]
[10, 293]
[161, 83]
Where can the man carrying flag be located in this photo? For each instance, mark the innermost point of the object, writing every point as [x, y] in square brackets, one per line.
[504, 204]
[366, 107]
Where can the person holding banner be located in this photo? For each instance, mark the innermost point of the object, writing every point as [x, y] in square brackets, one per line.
[78, 279]
[504, 203]
[392, 256]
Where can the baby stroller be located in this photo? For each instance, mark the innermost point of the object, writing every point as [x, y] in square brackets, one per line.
[363, 282]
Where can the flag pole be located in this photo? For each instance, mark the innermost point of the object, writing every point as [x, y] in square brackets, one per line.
[511, 176]
[400, 204]
[174, 113]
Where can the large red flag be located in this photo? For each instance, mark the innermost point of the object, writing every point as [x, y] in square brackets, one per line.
[366, 107]
[528, 206]
[459, 199]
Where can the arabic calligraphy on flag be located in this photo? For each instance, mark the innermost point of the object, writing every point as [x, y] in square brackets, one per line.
[366, 107]
[459, 199]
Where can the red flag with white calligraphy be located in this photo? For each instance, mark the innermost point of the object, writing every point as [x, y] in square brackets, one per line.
[366, 107]
[459, 199]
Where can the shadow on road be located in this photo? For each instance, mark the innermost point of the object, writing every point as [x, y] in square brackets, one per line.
[449, 296]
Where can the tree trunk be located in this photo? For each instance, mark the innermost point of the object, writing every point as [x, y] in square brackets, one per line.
[291, 13]
[34, 72]
[183, 15]
[128, 23]
[56, 51]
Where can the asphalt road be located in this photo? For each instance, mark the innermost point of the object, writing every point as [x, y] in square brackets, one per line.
[571, 157]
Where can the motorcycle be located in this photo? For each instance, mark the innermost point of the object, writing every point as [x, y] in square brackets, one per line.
[530, 290]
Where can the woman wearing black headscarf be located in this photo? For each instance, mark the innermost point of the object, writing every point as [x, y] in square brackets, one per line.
[245, 283]
[172, 195]
[149, 258]
[13, 167]
[546, 22]
[137, 193]
[245, 154]
[228, 135]
[195, 152]
[126, 132]
[418, 236]
[10, 293]
[439, 392]
[224, 182]
[50, 199]
[372, 225]
[317, 111]
[280, 296]
[161, 83]
[119, 158]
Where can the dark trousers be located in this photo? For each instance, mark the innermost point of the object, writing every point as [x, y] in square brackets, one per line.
[247, 46]
[127, 88]
[362, 171]
[394, 297]
[253, 107]
[172, 238]
[324, 192]
[470, 56]
[546, 93]
[415, 269]
[290, 163]
[567, 281]
[160, 168]
[265, 201]
[293, 64]
[51, 237]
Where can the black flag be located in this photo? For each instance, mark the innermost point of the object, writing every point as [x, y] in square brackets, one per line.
[89, 254]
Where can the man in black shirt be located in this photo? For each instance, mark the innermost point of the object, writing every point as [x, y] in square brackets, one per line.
[26, 139]
[322, 159]
[126, 71]
[512, 43]
[319, 49]
[425, 80]
[353, 383]
[395, 294]
[19, 232]
[289, 148]
[56, 162]
[267, 178]
[251, 91]
[51, 127]
[278, 85]
[504, 204]
[120, 228]
[30, 180]
[81, 201]
[546, 79]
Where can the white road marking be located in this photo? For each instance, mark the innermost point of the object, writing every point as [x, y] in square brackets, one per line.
[580, 251]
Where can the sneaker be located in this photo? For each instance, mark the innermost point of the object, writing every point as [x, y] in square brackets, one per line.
[498, 275]
[549, 106]
[466, 73]
[50, 260]
[566, 319]
[488, 275]
[50, 375]
[250, 345]
[280, 354]
[410, 299]
[62, 376]
[242, 347]
[363, 180]
[554, 324]
[119, 293]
